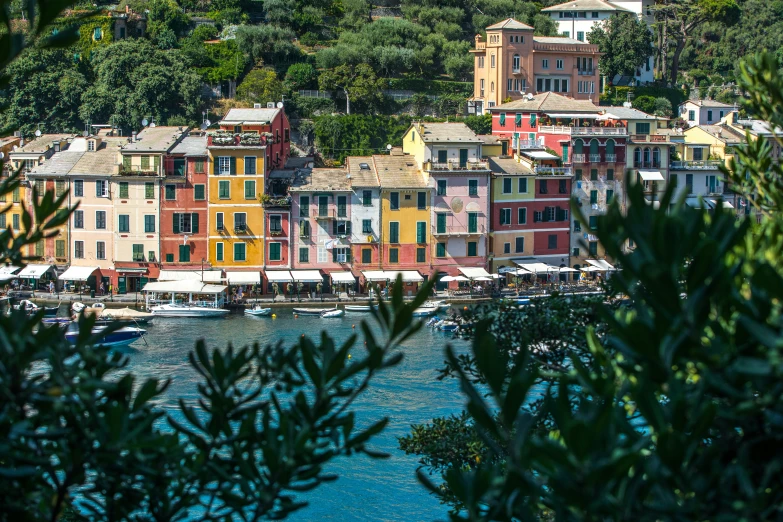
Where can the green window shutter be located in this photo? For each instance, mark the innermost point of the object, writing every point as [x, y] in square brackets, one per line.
[394, 232]
[533, 120]
[199, 192]
[334, 255]
[149, 191]
[441, 223]
[250, 189]
[347, 255]
[194, 223]
[502, 119]
[156, 162]
[219, 251]
[593, 174]
[472, 249]
[348, 228]
[175, 223]
[420, 232]
[472, 222]
[334, 228]
[126, 162]
[215, 166]
[440, 250]
[518, 120]
[609, 174]
[593, 197]
[233, 167]
[123, 189]
[421, 254]
[593, 222]
[394, 255]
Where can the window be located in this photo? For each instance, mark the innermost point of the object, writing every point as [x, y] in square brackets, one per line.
[522, 185]
[577, 225]
[275, 223]
[505, 216]
[394, 200]
[96, 34]
[59, 188]
[199, 192]
[366, 226]
[149, 223]
[580, 35]
[492, 61]
[171, 192]
[503, 118]
[592, 247]
[593, 197]
[219, 251]
[441, 223]
[219, 221]
[304, 229]
[124, 223]
[367, 198]
[521, 216]
[552, 241]
[179, 167]
[223, 165]
[2, 222]
[698, 154]
[506, 185]
[39, 248]
[472, 187]
[169, 258]
[250, 165]
[562, 186]
[545, 63]
[15, 196]
[559, 64]
[421, 232]
[440, 250]
[342, 208]
[100, 219]
[78, 219]
[394, 232]
[224, 189]
[124, 189]
[442, 187]
[575, 253]
[609, 196]
[481, 62]
[138, 252]
[592, 222]
[240, 253]
[519, 245]
[709, 117]
[184, 253]
[15, 222]
[149, 191]
[78, 188]
[145, 163]
[642, 128]
[304, 254]
[542, 186]
[472, 222]
[421, 200]
[78, 249]
[673, 180]
[609, 174]
[199, 167]
[304, 206]
[533, 120]
[101, 188]
[250, 189]
[366, 255]
[472, 249]
[691, 115]
[594, 14]
[421, 255]
[240, 221]
[394, 255]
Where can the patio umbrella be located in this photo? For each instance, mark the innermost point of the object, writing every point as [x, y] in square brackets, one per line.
[567, 269]
[483, 279]
[447, 279]
[460, 278]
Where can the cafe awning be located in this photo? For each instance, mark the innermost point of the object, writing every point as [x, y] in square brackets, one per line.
[7, 273]
[243, 278]
[278, 276]
[342, 277]
[474, 272]
[78, 273]
[651, 175]
[600, 263]
[408, 276]
[721, 202]
[210, 276]
[374, 275]
[33, 271]
[537, 268]
[307, 276]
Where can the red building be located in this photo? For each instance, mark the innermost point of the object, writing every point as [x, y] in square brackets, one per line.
[183, 208]
[270, 122]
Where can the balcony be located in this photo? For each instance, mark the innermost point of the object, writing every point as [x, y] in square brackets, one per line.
[648, 138]
[242, 139]
[516, 70]
[647, 164]
[323, 213]
[552, 171]
[457, 231]
[278, 202]
[611, 158]
[594, 158]
[585, 72]
[531, 144]
[583, 131]
[240, 227]
[696, 165]
[578, 158]
[455, 166]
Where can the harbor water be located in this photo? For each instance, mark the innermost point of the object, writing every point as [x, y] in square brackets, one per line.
[367, 489]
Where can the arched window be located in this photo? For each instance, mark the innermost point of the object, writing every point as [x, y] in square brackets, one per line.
[656, 157]
[637, 157]
[610, 146]
[578, 147]
[492, 87]
[646, 155]
[593, 147]
[515, 62]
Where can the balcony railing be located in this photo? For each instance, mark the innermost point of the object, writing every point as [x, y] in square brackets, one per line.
[647, 164]
[696, 165]
[585, 72]
[279, 202]
[583, 131]
[611, 158]
[594, 158]
[552, 171]
[243, 139]
[319, 213]
[532, 144]
[457, 230]
[578, 158]
[516, 70]
[648, 138]
[452, 165]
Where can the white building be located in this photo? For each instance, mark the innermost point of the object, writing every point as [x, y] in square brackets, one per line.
[365, 211]
[704, 112]
[577, 18]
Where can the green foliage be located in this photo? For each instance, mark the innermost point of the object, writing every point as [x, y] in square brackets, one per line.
[260, 86]
[355, 135]
[268, 44]
[216, 62]
[663, 107]
[625, 43]
[305, 107]
[617, 95]
[480, 124]
[165, 16]
[301, 76]
[645, 104]
[358, 84]
[432, 87]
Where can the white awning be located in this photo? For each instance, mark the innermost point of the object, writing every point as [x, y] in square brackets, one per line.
[506, 269]
[696, 203]
[408, 276]
[278, 276]
[374, 275]
[33, 271]
[474, 272]
[307, 276]
[210, 276]
[600, 263]
[78, 273]
[724, 203]
[183, 287]
[8, 269]
[483, 279]
[342, 277]
[539, 154]
[537, 268]
[655, 204]
[591, 269]
[572, 115]
[243, 278]
[567, 269]
[651, 175]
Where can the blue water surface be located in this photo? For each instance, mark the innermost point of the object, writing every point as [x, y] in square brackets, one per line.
[367, 489]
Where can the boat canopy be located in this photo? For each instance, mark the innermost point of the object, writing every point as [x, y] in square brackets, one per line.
[78, 273]
[183, 287]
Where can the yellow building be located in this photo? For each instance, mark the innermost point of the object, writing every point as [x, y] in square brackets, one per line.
[405, 214]
[236, 216]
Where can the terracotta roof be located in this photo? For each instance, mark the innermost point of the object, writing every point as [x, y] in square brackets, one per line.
[155, 139]
[249, 116]
[102, 162]
[362, 170]
[508, 167]
[509, 23]
[586, 5]
[549, 102]
[323, 180]
[398, 171]
[447, 133]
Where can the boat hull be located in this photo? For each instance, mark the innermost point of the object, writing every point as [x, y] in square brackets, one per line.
[424, 312]
[312, 311]
[358, 308]
[263, 312]
[332, 314]
[187, 311]
[122, 337]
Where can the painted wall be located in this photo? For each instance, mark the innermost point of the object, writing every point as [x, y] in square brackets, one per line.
[408, 215]
[504, 246]
[359, 213]
[283, 237]
[47, 248]
[322, 230]
[136, 206]
[185, 202]
[89, 203]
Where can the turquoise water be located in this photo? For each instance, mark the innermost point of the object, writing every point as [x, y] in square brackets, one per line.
[380, 490]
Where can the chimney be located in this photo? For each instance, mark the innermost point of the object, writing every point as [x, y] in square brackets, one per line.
[256, 105]
[56, 146]
[133, 137]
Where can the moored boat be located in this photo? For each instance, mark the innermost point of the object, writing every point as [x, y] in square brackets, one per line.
[332, 313]
[424, 311]
[448, 326]
[211, 306]
[124, 336]
[312, 311]
[257, 311]
[185, 310]
[358, 308]
[126, 315]
[28, 306]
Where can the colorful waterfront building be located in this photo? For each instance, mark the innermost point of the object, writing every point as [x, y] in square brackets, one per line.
[93, 227]
[183, 209]
[513, 62]
[137, 196]
[405, 213]
[450, 156]
[365, 213]
[322, 228]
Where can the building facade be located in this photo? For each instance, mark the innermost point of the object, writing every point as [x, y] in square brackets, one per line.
[365, 213]
[704, 112]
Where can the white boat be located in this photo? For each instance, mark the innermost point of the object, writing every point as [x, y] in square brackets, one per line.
[447, 326]
[358, 308]
[312, 311]
[436, 304]
[126, 315]
[332, 313]
[257, 311]
[186, 310]
[28, 306]
[124, 336]
[424, 311]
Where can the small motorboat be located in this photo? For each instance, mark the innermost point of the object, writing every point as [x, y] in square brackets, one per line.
[358, 308]
[186, 310]
[432, 322]
[126, 314]
[435, 304]
[312, 311]
[424, 311]
[56, 320]
[51, 311]
[448, 326]
[328, 314]
[122, 337]
[28, 306]
[257, 311]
